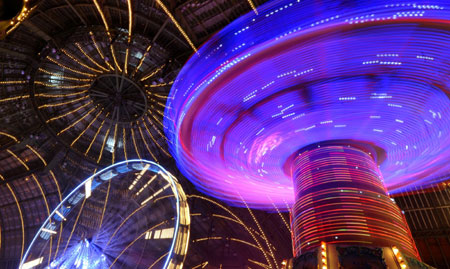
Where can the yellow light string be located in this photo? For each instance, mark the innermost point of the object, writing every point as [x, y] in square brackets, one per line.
[134, 143]
[166, 10]
[157, 110]
[87, 127]
[115, 141]
[281, 216]
[12, 28]
[68, 113]
[80, 62]
[59, 240]
[233, 220]
[60, 95]
[64, 103]
[18, 159]
[323, 255]
[160, 112]
[154, 140]
[63, 77]
[103, 145]
[74, 225]
[21, 219]
[95, 136]
[259, 263]
[60, 226]
[77, 121]
[124, 144]
[130, 28]
[130, 20]
[398, 256]
[13, 82]
[163, 197]
[146, 145]
[37, 154]
[129, 245]
[153, 73]
[114, 144]
[105, 203]
[157, 260]
[62, 86]
[100, 52]
[47, 208]
[252, 5]
[153, 100]
[90, 58]
[159, 85]
[201, 265]
[156, 119]
[113, 52]
[13, 98]
[141, 61]
[159, 96]
[10, 136]
[50, 251]
[68, 68]
[57, 185]
[24, 13]
[227, 238]
[238, 219]
[260, 230]
[111, 47]
[102, 15]
[123, 222]
[125, 65]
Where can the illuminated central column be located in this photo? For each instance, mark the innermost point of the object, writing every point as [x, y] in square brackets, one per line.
[340, 199]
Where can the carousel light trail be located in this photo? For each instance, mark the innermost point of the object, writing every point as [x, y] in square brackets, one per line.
[366, 80]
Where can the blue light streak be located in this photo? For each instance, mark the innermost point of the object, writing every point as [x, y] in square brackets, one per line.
[83, 253]
[302, 72]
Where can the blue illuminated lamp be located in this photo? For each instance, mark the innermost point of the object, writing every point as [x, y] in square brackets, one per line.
[139, 191]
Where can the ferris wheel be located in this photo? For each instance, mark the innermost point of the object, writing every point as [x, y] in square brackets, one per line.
[133, 214]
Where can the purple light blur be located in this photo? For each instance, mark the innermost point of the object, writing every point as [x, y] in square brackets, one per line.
[303, 72]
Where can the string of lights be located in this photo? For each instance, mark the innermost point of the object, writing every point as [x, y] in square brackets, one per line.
[86, 92]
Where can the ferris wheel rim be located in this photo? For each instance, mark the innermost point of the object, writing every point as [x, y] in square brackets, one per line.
[171, 179]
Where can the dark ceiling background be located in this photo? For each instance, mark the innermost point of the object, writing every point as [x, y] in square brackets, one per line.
[38, 164]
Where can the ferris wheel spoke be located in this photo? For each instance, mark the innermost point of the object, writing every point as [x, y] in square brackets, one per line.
[103, 221]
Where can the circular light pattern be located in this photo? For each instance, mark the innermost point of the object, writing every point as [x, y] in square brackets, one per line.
[104, 100]
[118, 95]
[270, 84]
[132, 215]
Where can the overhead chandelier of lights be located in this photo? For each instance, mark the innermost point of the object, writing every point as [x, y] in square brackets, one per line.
[104, 100]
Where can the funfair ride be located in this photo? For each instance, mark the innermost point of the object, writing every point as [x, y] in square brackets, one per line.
[132, 214]
[322, 108]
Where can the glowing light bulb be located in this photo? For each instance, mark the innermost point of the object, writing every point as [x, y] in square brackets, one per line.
[395, 250]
